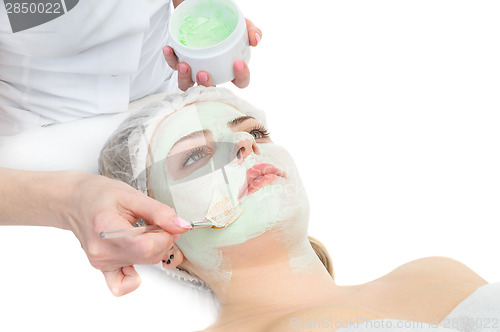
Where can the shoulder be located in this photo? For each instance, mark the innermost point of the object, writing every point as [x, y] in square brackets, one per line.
[437, 269]
[429, 288]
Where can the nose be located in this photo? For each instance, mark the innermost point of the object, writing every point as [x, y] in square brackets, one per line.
[245, 146]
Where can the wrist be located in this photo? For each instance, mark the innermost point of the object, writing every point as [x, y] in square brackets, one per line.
[62, 197]
[49, 197]
[31, 198]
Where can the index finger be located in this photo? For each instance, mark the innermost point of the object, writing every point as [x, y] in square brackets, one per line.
[254, 33]
[154, 212]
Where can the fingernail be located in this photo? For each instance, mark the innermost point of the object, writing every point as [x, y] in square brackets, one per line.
[166, 51]
[202, 77]
[239, 65]
[182, 223]
[183, 68]
[257, 37]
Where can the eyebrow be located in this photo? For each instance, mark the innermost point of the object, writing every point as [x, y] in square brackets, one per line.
[193, 135]
[196, 134]
[237, 121]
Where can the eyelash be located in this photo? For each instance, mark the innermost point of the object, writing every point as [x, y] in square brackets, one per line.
[260, 128]
[195, 151]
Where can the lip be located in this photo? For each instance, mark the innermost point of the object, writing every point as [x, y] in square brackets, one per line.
[257, 177]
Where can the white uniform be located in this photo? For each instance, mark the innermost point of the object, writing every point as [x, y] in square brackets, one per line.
[94, 59]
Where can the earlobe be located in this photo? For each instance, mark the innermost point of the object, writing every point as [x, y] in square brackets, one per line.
[174, 259]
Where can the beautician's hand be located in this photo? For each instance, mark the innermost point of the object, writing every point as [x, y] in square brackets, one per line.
[97, 203]
[88, 204]
[241, 71]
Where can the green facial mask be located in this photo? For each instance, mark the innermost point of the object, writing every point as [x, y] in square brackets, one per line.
[206, 125]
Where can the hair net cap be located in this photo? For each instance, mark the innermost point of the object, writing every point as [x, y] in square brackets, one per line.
[124, 157]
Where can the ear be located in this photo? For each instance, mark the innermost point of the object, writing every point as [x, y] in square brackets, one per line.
[174, 259]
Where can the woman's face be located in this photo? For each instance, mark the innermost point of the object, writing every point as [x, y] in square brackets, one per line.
[209, 148]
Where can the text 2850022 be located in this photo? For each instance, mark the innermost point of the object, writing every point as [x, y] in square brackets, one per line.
[32, 8]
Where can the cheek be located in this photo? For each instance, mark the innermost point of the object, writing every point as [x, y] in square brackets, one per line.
[191, 199]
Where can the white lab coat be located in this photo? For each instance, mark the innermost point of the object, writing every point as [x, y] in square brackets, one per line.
[94, 59]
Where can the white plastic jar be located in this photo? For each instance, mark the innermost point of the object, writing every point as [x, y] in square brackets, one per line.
[209, 35]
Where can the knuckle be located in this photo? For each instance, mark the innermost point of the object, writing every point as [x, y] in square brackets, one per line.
[185, 78]
[95, 256]
[116, 290]
[94, 251]
[166, 211]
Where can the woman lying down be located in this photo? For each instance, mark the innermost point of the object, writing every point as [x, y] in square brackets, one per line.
[206, 145]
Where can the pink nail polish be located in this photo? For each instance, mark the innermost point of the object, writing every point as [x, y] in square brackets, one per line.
[257, 37]
[183, 68]
[182, 223]
[202, 77]
[239, 65]
[166, 51]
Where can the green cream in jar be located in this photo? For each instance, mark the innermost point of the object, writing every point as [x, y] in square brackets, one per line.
[202, 31]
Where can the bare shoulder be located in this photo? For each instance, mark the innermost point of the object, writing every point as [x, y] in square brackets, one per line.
[438, 269]
[428, 289]
[322, 318]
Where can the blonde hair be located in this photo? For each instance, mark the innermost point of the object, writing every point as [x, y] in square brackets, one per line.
[322, 254]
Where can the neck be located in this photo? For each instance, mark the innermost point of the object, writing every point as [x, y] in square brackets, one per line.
[267, 280]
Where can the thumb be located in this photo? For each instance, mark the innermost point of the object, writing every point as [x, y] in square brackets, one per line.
[156, 213]
[123, 280]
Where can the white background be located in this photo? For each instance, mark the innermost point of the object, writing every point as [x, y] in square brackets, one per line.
[391, 111]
